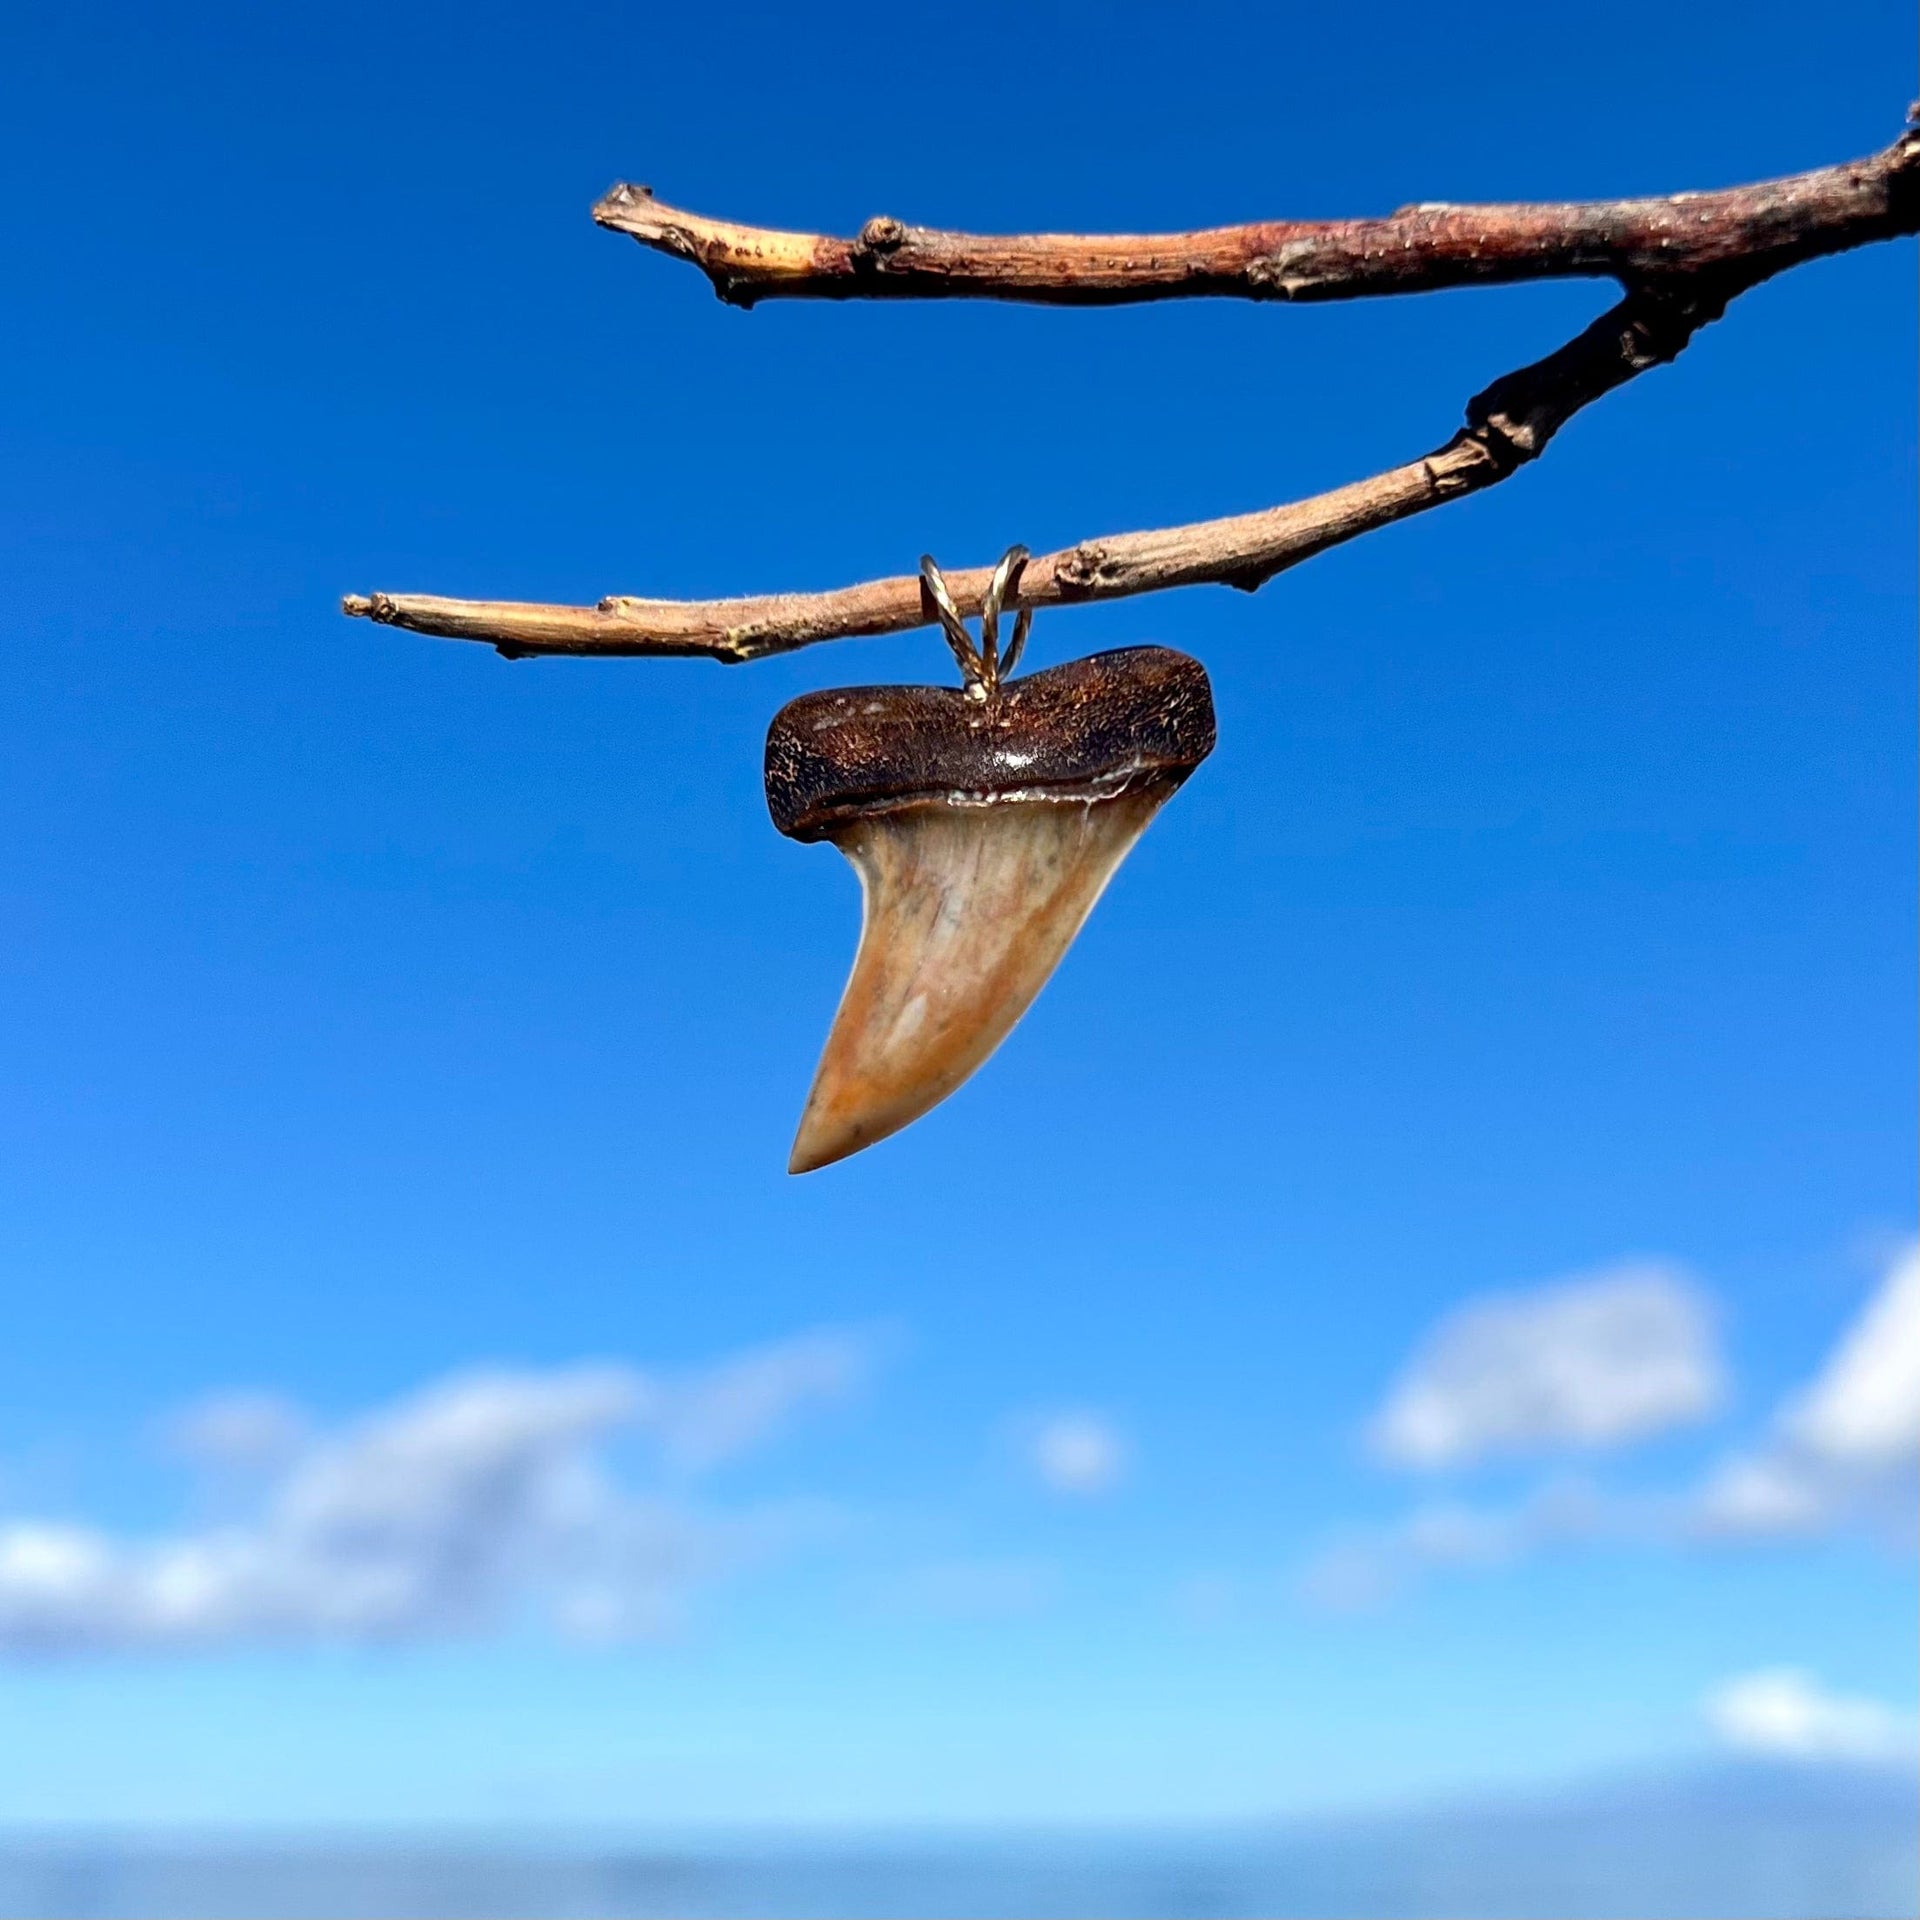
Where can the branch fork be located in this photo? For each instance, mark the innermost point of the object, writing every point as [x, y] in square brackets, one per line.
[1679, 261]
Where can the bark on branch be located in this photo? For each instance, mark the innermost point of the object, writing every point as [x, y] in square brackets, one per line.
[1766, 227]
[1742, 237]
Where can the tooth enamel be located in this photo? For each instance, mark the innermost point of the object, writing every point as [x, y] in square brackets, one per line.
[983, 835]
[967, 913]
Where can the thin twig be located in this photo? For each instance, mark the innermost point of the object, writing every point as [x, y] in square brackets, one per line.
[1773, 225]
[1507, 425]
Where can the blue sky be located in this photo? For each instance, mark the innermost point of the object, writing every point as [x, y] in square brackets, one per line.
[411, 1041]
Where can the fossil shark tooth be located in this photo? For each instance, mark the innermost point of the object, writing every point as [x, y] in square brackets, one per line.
[983, 831]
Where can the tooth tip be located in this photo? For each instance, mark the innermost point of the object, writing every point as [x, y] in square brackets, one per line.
[817, 1146]
[805, 1158]
[842, 1118]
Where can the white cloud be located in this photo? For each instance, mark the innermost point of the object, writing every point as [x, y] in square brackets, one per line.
[1079, 1454]
[238, 1429]
[1756, 1494]
[1367, 1568]
[1558, 1364]
[479, 1499]
[1864, 1407]
[1592, 1361]
[1784, 1713]
[731, 1408]
[1847, 1445]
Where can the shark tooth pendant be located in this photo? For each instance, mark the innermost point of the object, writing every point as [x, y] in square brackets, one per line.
[984, 823]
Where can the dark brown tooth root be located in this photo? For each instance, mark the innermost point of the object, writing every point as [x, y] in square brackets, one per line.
[983, 833]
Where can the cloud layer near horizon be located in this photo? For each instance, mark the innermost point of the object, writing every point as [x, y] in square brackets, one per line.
[1784, 1713]
[1608, 1359]
[481, 1498]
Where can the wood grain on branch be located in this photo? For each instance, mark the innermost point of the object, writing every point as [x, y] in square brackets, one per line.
[1766, 227]
[1509, 424]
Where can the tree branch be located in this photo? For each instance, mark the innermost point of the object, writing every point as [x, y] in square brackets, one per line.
[1507, 425]
[1770, 226]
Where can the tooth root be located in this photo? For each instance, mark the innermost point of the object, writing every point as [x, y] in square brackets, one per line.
[968, 910]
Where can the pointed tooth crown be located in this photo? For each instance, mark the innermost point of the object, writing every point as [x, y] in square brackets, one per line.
[983, 833]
